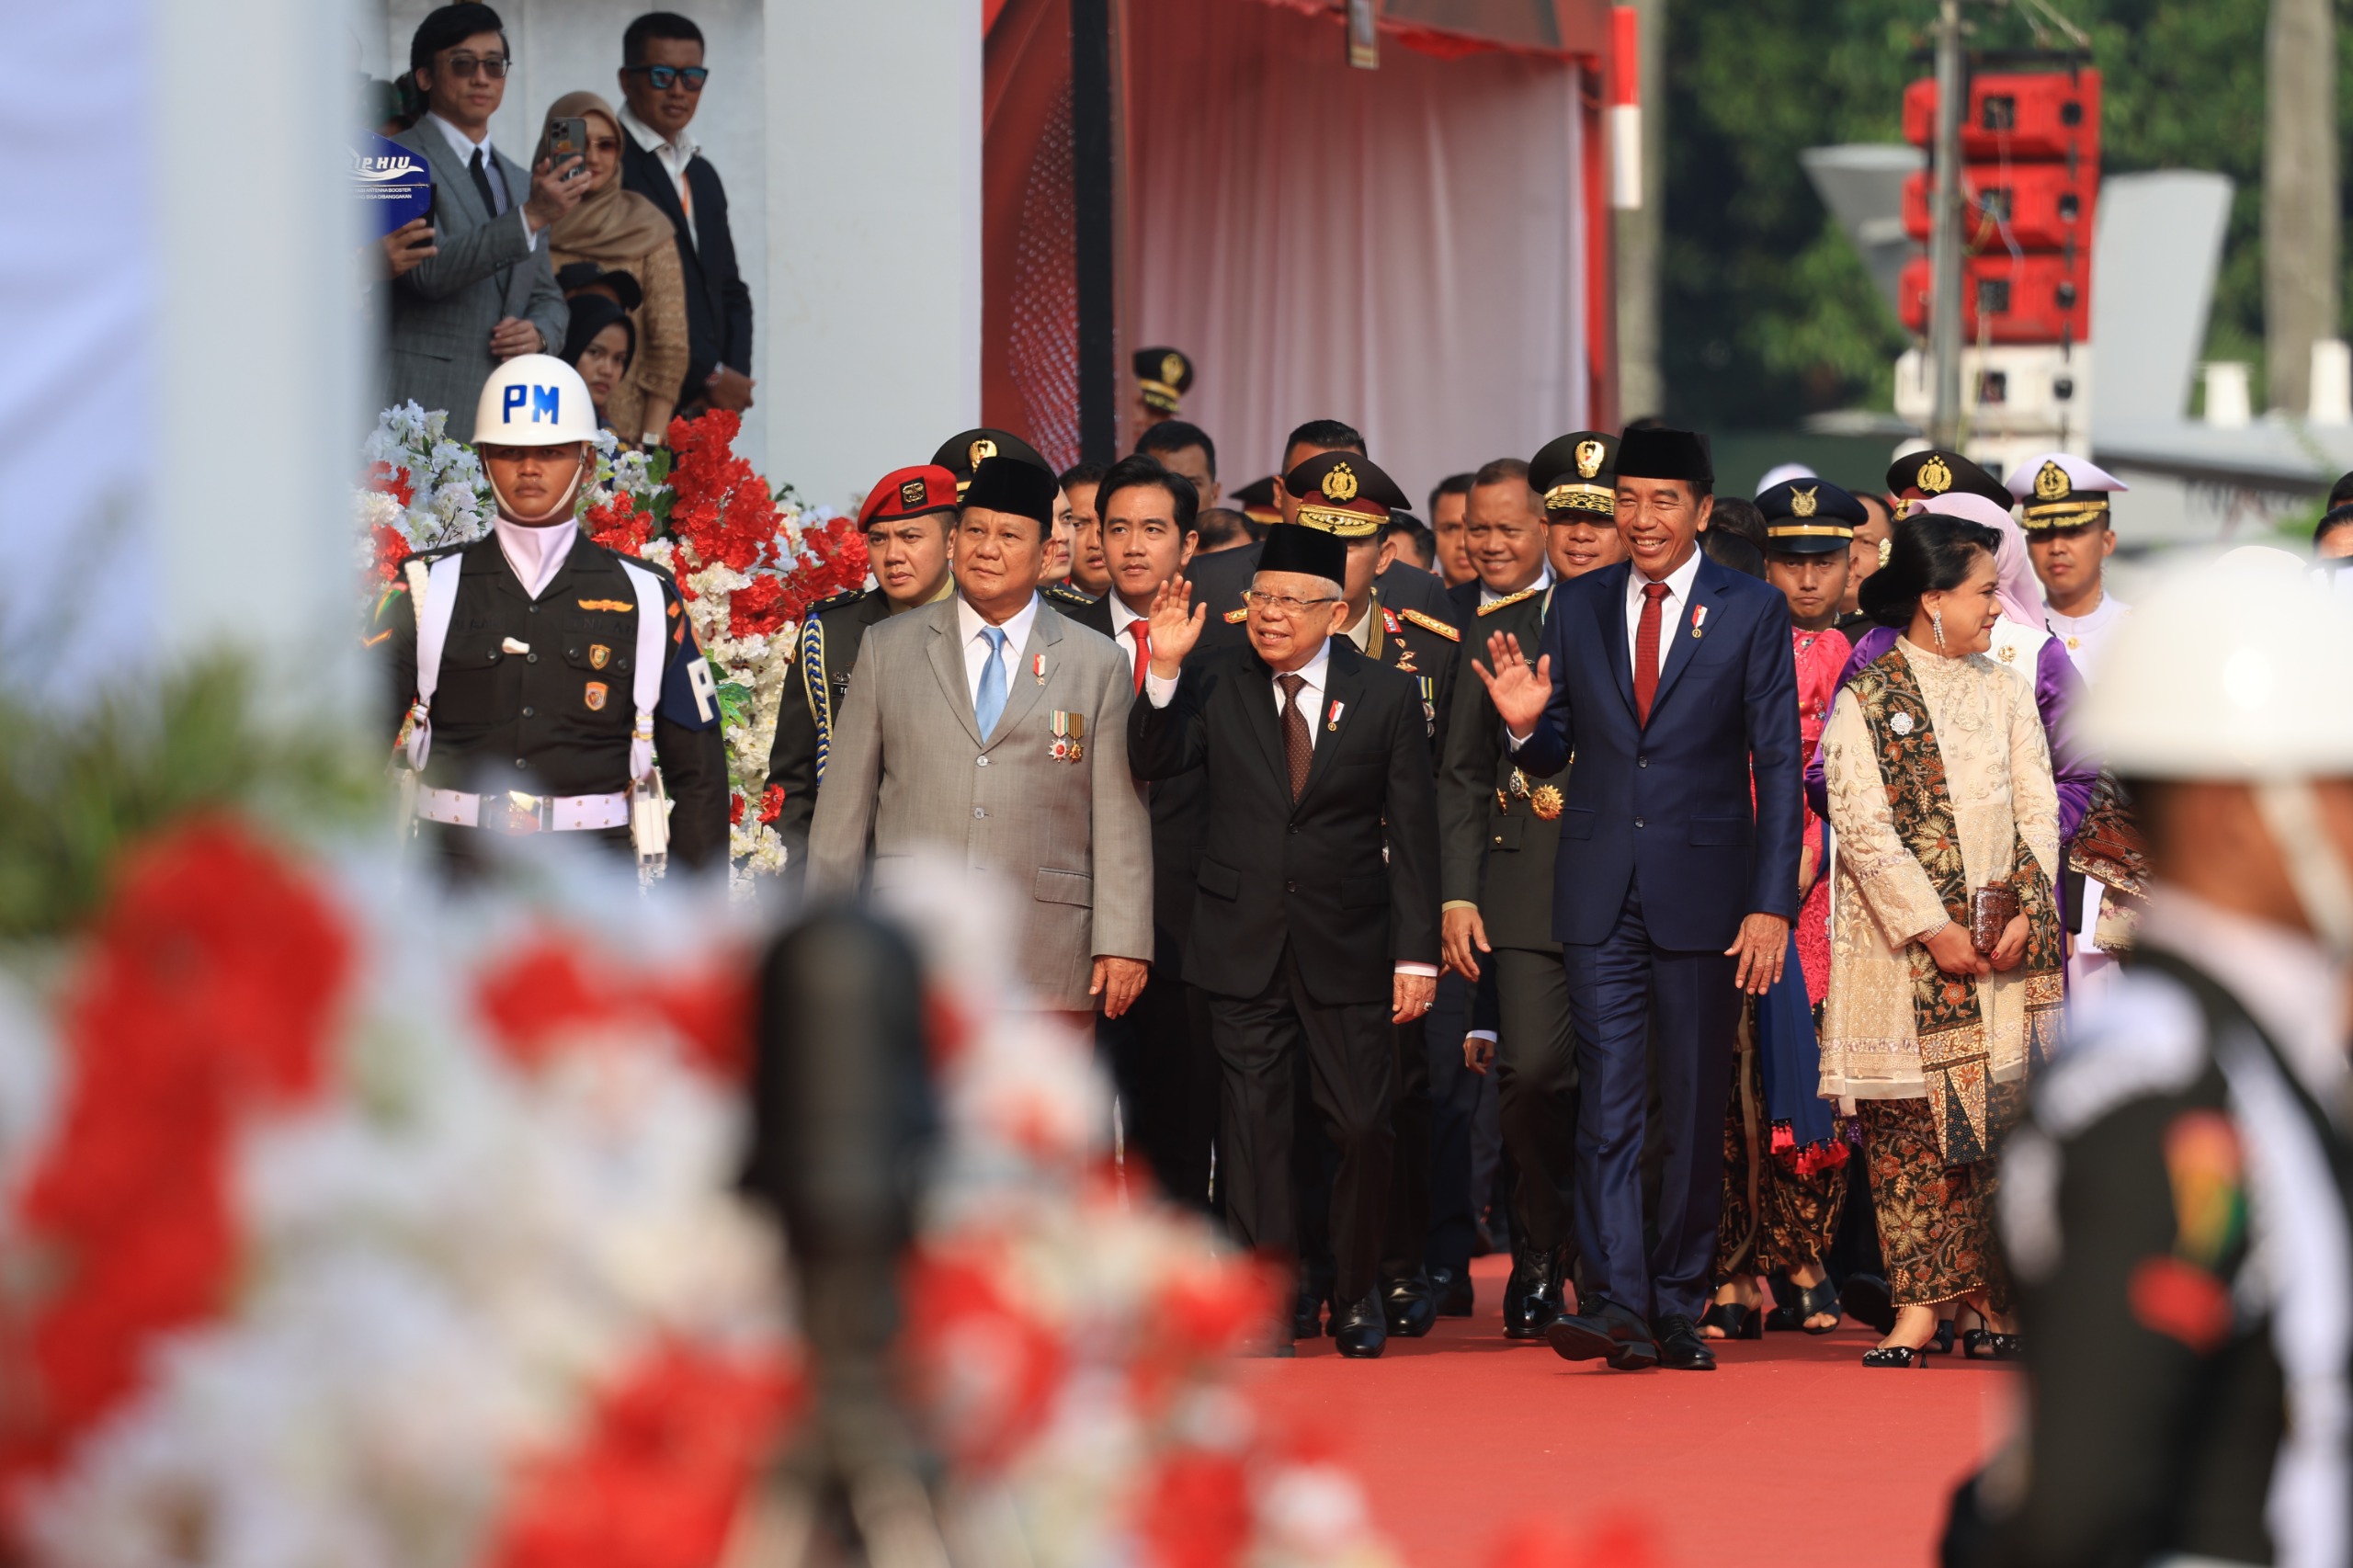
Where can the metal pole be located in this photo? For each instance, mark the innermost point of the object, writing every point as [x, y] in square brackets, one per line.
[1092, 141]
[1944, 242]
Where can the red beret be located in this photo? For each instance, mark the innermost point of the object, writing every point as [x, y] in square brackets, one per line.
[906, 492]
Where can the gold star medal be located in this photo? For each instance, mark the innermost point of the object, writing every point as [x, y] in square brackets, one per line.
[1547, 801]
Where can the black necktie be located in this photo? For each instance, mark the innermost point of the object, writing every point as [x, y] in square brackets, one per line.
[482, 184]
[1299, 746]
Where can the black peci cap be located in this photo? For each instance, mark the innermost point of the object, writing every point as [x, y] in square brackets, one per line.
[1315, 552]
[1576, 472]
[1008, 484]
[1809, 516]
[1660, 453]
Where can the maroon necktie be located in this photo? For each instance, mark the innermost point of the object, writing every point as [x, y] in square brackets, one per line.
[1298, 749]
[1142, 632]
[1646, 651]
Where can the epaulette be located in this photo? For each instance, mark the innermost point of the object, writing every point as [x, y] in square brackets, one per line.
[1432, 623]
[1235, 616]
[1494, 604]
[1389, 623]
[835, 601]
[1064, 593]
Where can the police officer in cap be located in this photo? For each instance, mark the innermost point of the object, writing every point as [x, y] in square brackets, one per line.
[2177, 1209]
[908, 519]
[536, 679]
[1162, 378]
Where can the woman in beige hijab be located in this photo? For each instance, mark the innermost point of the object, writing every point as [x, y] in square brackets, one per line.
[620, 230]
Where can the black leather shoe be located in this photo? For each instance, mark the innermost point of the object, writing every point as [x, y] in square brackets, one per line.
[1680, 1348]
[1603, 1332]
[1532, 1297]
[1307, 1315]
[1407, 1307]
[1454, 1293]
[1360, 1330]
[1866, 1299]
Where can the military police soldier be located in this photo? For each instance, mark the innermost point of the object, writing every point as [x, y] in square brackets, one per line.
[2177, 1208]
[908, 519]
[537, 679]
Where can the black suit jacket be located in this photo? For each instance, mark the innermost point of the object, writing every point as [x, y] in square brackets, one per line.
[719, 303]
[1311, 873]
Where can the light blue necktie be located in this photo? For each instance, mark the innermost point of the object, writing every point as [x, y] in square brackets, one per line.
[990, 702]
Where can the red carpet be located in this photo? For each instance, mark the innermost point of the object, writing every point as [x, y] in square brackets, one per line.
[1790, 1452]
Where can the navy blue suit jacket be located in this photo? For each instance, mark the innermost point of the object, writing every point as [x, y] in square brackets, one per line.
[1669, 802]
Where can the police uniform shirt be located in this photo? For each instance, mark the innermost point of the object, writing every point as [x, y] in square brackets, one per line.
[537, 695]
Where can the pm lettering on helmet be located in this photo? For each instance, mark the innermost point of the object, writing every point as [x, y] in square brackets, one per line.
[542, 400]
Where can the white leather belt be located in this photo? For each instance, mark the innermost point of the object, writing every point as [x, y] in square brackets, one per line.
[512, 811]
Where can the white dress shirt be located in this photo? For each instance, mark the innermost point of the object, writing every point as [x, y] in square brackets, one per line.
[976, 645]
[674, 157]
[465, 147]
[1678, 594]
[1121, 618]
[2086, 635]
[1313, 673]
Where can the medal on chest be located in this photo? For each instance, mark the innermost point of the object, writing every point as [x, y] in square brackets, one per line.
[1069, 731]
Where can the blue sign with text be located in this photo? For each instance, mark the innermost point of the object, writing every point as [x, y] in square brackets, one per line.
[393, 182]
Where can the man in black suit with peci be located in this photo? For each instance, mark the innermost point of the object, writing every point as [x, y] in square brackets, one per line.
[1315, 909]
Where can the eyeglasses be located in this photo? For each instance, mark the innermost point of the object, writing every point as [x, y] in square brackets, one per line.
[665, 77]
[1281, 604]
[463, 66]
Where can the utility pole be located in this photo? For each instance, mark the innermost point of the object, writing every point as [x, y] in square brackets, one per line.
[1642, 387]
[1945, 240]
[2301, 296]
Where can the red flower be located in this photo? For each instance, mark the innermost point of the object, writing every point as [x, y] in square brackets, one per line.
[392, 549]
[618, 526]
[988, 1368]
[772, 802]
[386, 480]
[757, 609]
[1195, 1512]
[205, 994]
[734, 808]
[659, 1476]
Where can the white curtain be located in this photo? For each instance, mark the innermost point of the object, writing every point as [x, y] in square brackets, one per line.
[1399, 248]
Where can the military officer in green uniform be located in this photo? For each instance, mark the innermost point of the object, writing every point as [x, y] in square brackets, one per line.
[1498, 834]
[908, 519]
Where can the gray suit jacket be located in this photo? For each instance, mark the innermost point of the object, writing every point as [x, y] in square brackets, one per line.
[443, 311]
[908, 762]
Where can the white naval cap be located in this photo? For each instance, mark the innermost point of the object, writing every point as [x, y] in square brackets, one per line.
[2059, 489]
[1780, 471]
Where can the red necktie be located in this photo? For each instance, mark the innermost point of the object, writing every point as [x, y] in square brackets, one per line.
[1646, 651]
[1142, 632]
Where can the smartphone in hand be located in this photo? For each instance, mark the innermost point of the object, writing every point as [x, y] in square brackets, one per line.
[567, 143]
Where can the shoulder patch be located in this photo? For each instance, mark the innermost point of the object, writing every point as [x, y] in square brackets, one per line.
[1237, 617]
[1433, 624]
[1062, 593]
[833, 601]
[1389, 623]
[1494, 604]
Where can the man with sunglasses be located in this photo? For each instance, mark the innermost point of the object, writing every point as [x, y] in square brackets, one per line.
[661, 80]
[488, 294]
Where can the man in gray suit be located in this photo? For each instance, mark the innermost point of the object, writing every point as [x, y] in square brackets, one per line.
[986, 730]
[488, 293]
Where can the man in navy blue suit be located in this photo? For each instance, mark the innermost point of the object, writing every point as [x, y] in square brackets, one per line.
[1671, 680]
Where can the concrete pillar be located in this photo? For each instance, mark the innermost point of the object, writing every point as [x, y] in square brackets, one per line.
[873, 329]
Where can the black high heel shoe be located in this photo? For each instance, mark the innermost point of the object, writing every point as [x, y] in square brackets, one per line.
[1896, 1355]
[1942, 1344]
[1978, 1344]
[1735, 1321]
[2006, 1346]
[1805, 1301]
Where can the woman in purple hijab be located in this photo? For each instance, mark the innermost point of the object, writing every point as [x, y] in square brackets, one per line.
[2022, 642]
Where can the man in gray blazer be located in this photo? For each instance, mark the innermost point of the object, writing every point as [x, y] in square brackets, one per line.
[489, 292]
[987, 731]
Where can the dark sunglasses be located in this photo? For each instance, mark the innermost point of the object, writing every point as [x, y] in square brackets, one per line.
[463, 66]
[665, 77]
